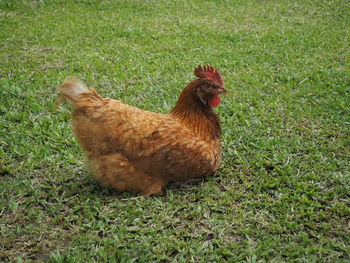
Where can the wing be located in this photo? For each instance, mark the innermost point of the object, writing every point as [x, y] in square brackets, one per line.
[173, 152]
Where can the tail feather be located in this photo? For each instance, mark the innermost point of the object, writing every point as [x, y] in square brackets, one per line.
[70, 90]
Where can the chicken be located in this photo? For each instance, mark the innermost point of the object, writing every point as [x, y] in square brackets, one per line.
[138, 151]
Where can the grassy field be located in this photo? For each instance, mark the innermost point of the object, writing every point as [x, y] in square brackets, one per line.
[282, 191]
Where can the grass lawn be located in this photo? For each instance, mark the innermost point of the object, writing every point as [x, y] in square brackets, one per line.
[282, 191]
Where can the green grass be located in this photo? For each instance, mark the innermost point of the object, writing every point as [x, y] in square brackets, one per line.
[282, 192]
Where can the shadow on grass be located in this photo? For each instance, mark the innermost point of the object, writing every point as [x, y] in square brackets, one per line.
[86, 185]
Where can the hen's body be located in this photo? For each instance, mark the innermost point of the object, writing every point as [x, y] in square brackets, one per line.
[133, 150]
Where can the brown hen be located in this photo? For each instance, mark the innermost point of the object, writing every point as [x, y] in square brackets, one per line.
[134, 150]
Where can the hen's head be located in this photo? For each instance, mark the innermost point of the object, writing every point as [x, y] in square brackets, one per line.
[210, 85]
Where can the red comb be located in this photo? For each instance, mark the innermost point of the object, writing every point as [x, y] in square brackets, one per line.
[207, 72]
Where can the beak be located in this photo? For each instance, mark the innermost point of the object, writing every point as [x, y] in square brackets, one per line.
[221, 90]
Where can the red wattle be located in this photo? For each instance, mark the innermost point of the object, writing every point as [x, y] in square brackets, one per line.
[214, 101]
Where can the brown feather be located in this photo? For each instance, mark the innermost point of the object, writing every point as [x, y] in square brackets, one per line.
[133, 150]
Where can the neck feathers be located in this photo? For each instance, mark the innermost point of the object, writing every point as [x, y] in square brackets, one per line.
[196, 115]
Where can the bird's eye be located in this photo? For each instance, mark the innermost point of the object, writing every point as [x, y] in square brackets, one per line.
[207, 88]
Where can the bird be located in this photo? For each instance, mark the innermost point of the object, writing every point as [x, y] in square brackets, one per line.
[139, 151]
